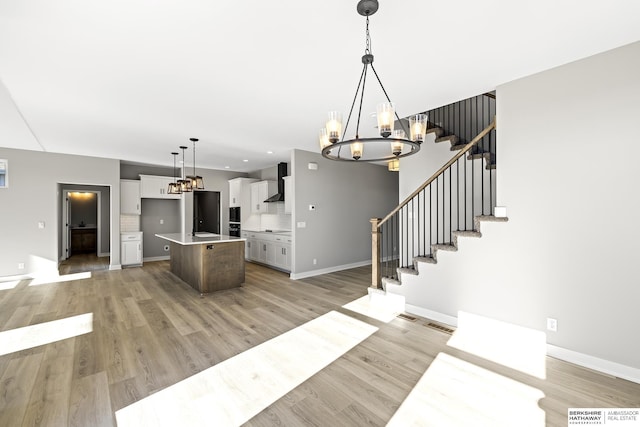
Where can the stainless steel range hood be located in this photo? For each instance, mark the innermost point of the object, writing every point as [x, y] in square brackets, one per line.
[279, 196]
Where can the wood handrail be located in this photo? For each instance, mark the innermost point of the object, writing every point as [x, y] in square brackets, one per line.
[461, 153]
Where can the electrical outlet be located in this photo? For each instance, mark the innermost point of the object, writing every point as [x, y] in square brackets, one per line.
[21, 266]
[302, 224]
[161, 221]
[315, 261]
[552, 324]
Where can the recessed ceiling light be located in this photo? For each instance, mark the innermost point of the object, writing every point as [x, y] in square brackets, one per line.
[269, 152]
[226, 167]
[245, 160]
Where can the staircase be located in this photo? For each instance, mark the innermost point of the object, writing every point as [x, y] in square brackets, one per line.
[451, 204]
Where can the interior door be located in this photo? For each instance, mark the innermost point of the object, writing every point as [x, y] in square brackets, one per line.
[206, 211]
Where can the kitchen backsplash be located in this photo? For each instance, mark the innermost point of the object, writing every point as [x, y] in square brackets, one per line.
[277, 221]
[129, 223]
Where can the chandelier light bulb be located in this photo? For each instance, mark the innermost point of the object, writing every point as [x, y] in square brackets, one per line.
[418, 127]
[334, 126]
[323, 138]
[357, 148]
[385, 113]
[396, 144]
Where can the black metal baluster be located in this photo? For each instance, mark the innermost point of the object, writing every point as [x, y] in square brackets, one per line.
[482, 169]
[418, 219]
[450, 210]
[430, 220]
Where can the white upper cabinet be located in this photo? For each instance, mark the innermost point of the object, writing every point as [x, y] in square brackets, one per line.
[240, 192]
[130, 197]
[261, 191]
[156, 187]
[235, 193]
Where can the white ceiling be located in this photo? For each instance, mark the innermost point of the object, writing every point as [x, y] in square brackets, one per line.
[134, 79]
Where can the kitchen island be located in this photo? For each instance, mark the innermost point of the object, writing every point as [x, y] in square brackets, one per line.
[207, 262]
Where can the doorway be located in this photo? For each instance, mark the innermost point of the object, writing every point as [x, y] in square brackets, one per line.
[81, 222]
[85, 208]
[206, 211]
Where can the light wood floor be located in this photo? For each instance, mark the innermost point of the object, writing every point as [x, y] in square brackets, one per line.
[150, 330]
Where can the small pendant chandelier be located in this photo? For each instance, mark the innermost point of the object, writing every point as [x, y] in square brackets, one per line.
[174, 187]
[197, 183]
[185, 184]
[331, 143]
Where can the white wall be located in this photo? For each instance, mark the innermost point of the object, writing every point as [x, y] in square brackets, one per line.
[567, 171]
[33, 197]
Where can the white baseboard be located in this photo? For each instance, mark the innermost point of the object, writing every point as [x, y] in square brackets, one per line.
[605, 366]
[115, 267]
[157, 258]
[104, 254]
[433, 315]
[305, 274]
[15, 277]
[601, 365]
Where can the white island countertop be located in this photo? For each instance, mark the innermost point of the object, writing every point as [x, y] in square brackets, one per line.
[199, 238]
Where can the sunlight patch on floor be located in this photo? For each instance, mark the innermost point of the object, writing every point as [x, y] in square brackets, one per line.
[453, 392]
[44, 333]
[4, 286]
[379, 306]
[232, 392]
[47, 279]
[510, 345]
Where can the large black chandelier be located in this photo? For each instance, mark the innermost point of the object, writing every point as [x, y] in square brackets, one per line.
[401, 145]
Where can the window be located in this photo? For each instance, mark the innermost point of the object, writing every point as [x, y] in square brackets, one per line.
[4, 173]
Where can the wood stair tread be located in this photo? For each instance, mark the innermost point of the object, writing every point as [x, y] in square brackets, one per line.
[468, 233]
[453, 139]
[444, 247]
[408, 270]
[425, 259]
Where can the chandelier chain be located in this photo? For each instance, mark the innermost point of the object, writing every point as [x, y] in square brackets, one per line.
[367, 49]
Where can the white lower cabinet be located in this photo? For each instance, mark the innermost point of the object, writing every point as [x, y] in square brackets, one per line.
[283, 256]
[271, 249]
[131, 248]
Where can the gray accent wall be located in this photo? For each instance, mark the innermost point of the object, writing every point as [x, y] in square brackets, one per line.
[33, 196]
[567, 173]
[153, 212]
[346, 196]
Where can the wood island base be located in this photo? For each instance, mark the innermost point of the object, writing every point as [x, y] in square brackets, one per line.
[209, 267]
